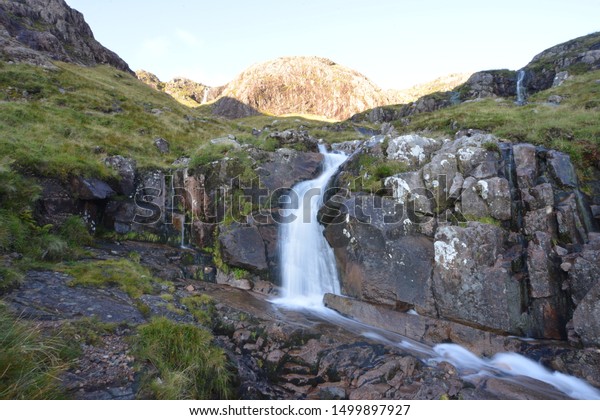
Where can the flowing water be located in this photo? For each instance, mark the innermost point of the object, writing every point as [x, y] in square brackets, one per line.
[520, 88]
[308, 270]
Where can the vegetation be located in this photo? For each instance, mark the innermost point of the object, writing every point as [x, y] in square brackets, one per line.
[202, 307]
[29, 362]
[186, 365]
[571, 127]
[127, 274]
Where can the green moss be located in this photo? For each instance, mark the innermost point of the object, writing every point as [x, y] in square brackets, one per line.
[202, 307]
[128, 275]
[187, 365]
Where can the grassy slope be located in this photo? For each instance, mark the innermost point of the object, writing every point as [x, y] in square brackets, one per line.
[59, 123]
[573, 126]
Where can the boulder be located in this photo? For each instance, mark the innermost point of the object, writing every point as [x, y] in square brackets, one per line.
[412, 149]
[161, 145]
[91, 189]
[126, 170]
[471, 281]
[242, 246]
[586, 318]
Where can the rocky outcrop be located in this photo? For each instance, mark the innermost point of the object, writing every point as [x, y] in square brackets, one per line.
[304, 85]
[573, 57]
[489, 84]
[38, 32]
[476, 231]
[185, 91]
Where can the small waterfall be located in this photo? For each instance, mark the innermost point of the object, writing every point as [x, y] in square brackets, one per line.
[308, 267]
[205, 96]
[521, 92]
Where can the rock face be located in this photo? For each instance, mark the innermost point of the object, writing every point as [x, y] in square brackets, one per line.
[575, 56]
[184, 90]
[304, 85]
[477, 231]
[37, 32]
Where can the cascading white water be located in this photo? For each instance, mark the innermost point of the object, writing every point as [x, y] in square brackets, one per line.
[308, 267]
[205, 96]
[309, 271]
[520, 88]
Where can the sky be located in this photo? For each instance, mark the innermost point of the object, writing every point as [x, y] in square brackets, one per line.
[395, 43]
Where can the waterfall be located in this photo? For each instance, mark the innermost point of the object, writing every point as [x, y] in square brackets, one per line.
[521, 93]
[205, 96]
[308, 271]
[308, 268]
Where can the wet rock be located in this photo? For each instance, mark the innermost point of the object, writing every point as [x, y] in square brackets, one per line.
[423, 329]
[286, 167]
[347, 147]
[46, 295]
[526, 164]
[242, 246]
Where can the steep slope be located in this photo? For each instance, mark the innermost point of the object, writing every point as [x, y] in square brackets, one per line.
[304, 85]
[37, 32]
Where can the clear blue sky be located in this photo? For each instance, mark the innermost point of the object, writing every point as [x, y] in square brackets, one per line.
[394, 43]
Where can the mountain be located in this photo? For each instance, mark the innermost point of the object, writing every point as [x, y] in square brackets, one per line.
[305, 85]
[37, 32]
[186, 91]
[440, 84]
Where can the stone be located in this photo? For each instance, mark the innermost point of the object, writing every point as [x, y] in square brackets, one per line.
[242, 246]
[39, 33]
[428, 330]
[496, 193]
[161, 145]
[471, 282]
[47, 295]
[559, 79]
[472, 204]
[226, 141]
[126, 169]
[526, 164]
[91, 189]
[555, 99]
[347, 147]
[586, 318]
[412, 149]
[585, 271]
[562, 169]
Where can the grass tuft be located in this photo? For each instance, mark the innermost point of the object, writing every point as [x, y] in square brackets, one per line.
[186, 363]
